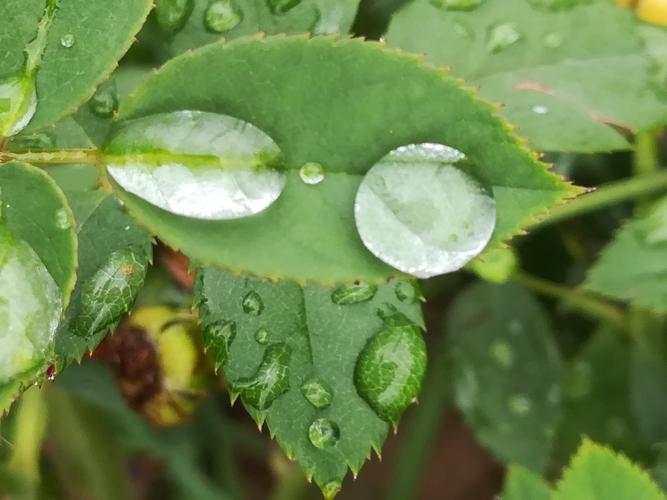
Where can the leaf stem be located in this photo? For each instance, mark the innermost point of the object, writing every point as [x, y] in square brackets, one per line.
[609, 194]
[54, 157]
[579, 300]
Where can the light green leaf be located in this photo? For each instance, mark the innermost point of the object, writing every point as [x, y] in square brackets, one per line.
[648, 392]
[597, 473]
[83, 40]
[506, 372]
[566, 76]
[634, 265]
[315, 369]
[523, 484]
[354, 104]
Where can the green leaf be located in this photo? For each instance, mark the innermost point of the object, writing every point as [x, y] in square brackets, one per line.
[506, 372]
[523, 484]
[353, 104]
[304, 364]
[566, 76]
[597, 473]
[648, 392]
[634, 265]
[319, 17]
[84, 39]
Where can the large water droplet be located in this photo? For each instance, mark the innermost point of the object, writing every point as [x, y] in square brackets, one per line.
[501, 36]
[68, 40]
[281, 6]
[197, 164]
[317, 393]
[421, 213]
[62, 219]
[457, 4]
[503, 353]
[262, 336]
[312, 173]
[30, 307]
[390, 369]
[252, 304]
[172, 15]
[353, 294]
[519, 404]
[269, 382]
[104, 103]
[407, 291]
[323, 433]
[219, 337]
[222, 16]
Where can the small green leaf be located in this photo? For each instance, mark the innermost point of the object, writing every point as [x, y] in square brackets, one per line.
[597, 473]
[648, 392]
[523, 484]
[326, 377]
[309, 234]
[506, 372]
[632, 267]
[565, 81]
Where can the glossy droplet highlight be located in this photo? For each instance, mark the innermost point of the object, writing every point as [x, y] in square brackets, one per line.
[390, 369]
[269, 382]
[262, 336]
[421, 212]
[281, 6]
[30, 308]
[172, 15]
[104, 103]
[196, 164]
[501, 36]
[353, 294]
[312, 173]
[67, 40]
[252, 304]
[62, 219]
[219, 337]
[520, 404]
[323, 433]
[540, 109]
[503, 353]
[407, 291]
[317, 393]
[457, 4]
[222, 16]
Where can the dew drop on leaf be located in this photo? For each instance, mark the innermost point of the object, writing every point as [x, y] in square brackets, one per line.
[262, 336]
[578, 380]
[419, 212]
[172, 15]
[353, 294]
[68, 40]
[104, 103]
[501, 36]
[390, 369]
[502, 352]
[515, 327]
[317, 393]
[222, 16]
[30, 308]
[323, 433]
[311, 173]
[407, 291]
[281, 6]
[553, 40]
[252, 304]
[457, 4]
[62, 219]
[219, 337]
[540, 109]
[519, 404]
[269, 382]
[196, 164]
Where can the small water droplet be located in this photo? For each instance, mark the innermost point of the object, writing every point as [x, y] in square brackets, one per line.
[252, 304]
[127, 228]
[407, 291]
[262, 336]
[312, 173]
[503, 353]
[466, 386]
[62, 219]
[317, 393]
[353, 294]
[553, 40]
[457, 4]
[463, 31]
[323, 433]
[421, 211]
[331, 489]
[219, 337]
[104, 103]
[222, 16]
[390, 369]
[269, 382]
[172, 15]
[51, 373]
[540, 109]
[501, 36]
[515, 327]
[519, 404]
[554, 395]
[578, 380]
[67, 40]
[282, 6]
